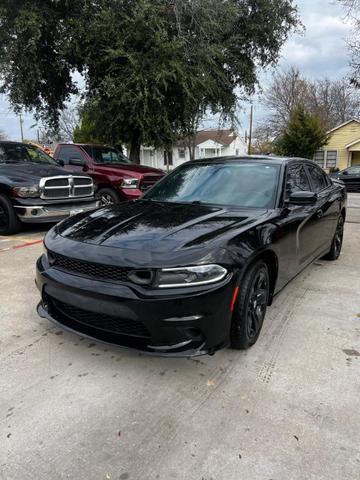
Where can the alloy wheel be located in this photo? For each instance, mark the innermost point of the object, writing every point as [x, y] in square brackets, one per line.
[339, 236]
[258, 300]
[106, 200]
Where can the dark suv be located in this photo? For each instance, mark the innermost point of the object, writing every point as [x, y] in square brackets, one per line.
[34, 188]
[116, 177]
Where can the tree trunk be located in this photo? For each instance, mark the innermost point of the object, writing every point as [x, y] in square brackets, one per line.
[135, 149]
[192, 147]
[168, 155]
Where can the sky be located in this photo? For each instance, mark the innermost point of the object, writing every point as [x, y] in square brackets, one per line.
[320, 51]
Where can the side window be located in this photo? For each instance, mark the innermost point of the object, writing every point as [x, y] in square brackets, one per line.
[67, 153]
[353, 170]
[297, 180]
[318, 179]
[182, 152]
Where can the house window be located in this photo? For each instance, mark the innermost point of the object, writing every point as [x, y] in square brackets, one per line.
[237, 152]
[319, 158]
[168, 158]
[331, 159]
[151, 153]
[182, 153]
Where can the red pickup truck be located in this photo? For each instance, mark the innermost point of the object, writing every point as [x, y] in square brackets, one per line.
[117, 179]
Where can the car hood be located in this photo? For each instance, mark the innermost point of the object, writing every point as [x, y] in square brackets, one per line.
[30, 173]
[130, 169]
[157, 227]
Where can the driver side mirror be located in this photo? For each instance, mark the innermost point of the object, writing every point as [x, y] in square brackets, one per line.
[77, 162]
[345, 172]
[302, 198]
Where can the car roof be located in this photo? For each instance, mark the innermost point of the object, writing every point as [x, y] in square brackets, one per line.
[84, 144]
[269, 159]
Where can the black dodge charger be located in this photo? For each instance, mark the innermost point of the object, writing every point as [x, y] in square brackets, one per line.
[192, 266]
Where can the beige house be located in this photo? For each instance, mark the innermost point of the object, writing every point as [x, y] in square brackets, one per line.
[343, 147]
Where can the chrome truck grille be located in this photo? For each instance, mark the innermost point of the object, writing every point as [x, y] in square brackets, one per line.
[62, 187]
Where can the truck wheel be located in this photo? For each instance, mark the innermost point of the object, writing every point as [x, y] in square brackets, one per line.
[9, 222]
[108, 196]
[250, 307]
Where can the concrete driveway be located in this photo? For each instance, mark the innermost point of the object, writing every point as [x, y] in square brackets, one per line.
[288, 409]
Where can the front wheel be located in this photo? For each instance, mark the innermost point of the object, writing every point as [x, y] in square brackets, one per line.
[9, 222]
[250, 307]
[108, 196]
[336, 245]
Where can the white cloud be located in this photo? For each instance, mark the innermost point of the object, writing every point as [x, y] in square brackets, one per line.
[322, 48]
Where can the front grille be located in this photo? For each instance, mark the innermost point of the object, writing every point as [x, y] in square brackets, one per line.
[101, 321]
[66, 187]
[89, 269]
[148, 181]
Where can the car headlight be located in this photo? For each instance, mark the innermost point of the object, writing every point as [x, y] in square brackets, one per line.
[130, 183]
[26, 192]
[190, 276]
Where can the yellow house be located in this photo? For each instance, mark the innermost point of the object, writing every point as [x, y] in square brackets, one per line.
[343, 147]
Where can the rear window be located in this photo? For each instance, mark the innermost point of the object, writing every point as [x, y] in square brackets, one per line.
[105, 155]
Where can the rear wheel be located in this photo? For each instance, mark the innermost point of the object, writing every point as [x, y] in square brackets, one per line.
[250, 307]
[9, 222]
[337, 242]
[108, 196]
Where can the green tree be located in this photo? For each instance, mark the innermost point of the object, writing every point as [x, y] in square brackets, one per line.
[302, 137]
[150, 66]
[86, 131]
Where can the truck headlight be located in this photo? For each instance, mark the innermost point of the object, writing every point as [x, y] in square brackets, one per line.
[190, 276]
[130, 183]
[26, 192]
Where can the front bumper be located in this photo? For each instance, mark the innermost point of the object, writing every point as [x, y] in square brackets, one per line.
[179, 323]
[52, 213]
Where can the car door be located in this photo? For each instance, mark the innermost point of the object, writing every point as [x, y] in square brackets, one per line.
[298, 243]
[327, 208]
[71, 152]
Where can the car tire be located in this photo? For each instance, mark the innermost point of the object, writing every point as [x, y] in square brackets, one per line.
[250, 308]
[9, 222]
[108, 196]
[336, 244]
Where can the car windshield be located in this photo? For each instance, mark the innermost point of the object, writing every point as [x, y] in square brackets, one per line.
[106, 155]
[246, 184]
[22, 153]
[353, 170]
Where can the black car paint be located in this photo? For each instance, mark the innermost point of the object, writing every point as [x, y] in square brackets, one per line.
[26, 174]
[350, 180]
[145, 234]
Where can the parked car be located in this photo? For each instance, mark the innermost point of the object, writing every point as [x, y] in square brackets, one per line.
[117, 178]
[350, 177]
[34, 188]
[192, 266]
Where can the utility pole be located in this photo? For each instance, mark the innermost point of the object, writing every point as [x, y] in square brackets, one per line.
[21, 127]
[250, 129]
